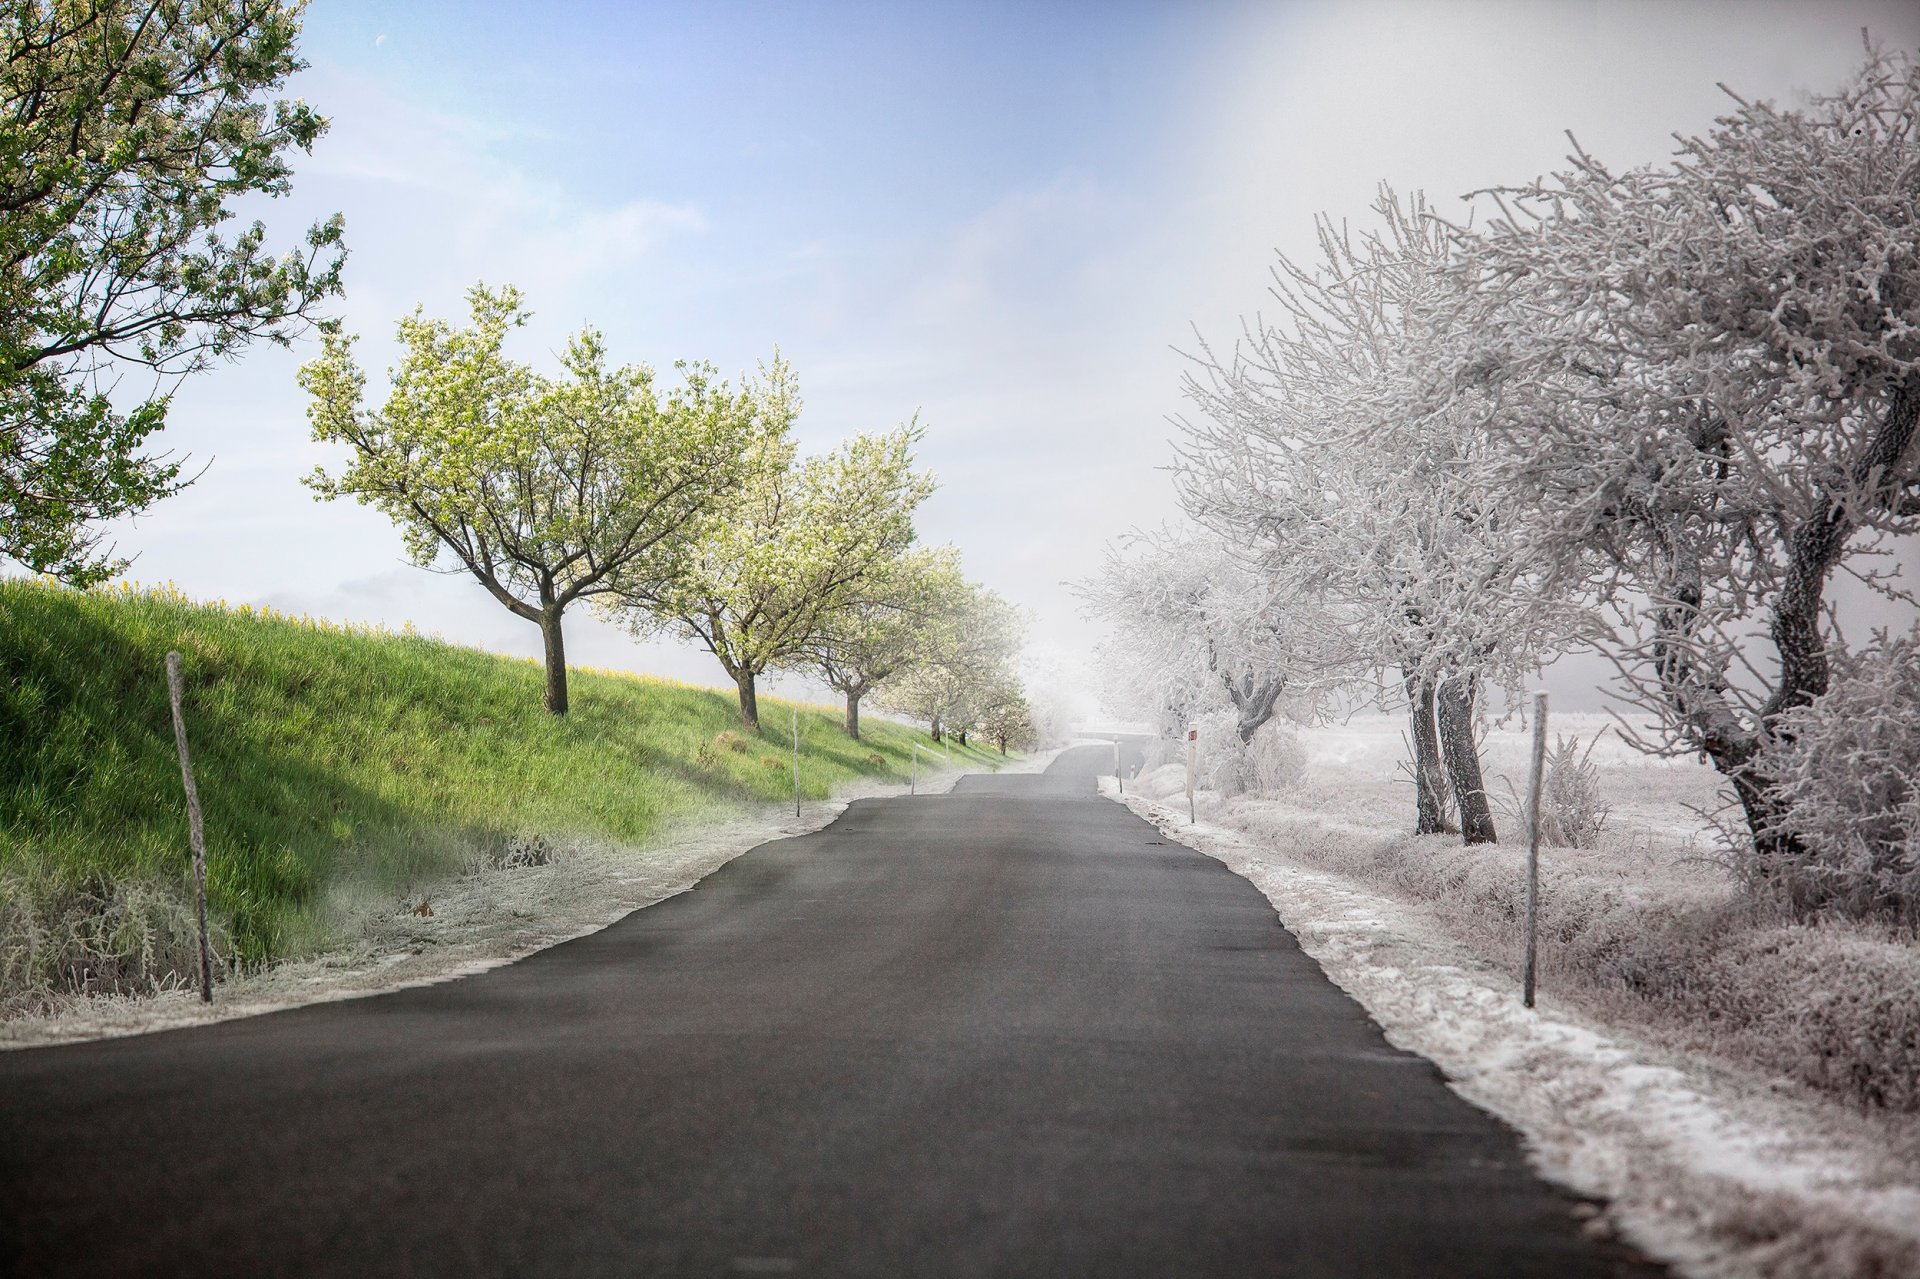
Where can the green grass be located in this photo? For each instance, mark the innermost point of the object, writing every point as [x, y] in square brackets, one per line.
[324, 752]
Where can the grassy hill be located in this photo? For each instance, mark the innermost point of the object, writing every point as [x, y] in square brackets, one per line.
[324, 751]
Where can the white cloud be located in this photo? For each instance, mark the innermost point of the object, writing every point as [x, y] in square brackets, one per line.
[1013, 246]
[435, 205]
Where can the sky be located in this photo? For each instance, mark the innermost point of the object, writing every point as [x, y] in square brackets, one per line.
[1008, 219]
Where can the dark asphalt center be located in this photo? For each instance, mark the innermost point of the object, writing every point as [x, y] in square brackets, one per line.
[1006, 1031]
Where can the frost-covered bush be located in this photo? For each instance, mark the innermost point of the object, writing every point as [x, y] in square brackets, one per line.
[1163, 782]
[1571, 813]
[1272, 761]
[1835, 1005]
[1847, 766]
[1276, 758]
[94, 935]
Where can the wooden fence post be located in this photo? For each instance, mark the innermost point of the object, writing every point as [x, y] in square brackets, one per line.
[1193, 744]
[195, 831]
[1533, 840]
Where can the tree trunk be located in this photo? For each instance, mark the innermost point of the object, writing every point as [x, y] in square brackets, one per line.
[1429, 778]
[1698, 704]
[963, 737]
[935, 728]
[749, 701]
[1003, 746]
[853, 716]
[556, 657]
[1455, 698]
[1254, 702]
[1879, 477]
[1877, 480]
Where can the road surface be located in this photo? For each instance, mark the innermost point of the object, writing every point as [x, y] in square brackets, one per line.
[1006, 1031]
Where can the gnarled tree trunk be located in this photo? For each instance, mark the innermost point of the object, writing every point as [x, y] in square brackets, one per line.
[1454, 698]
[1696, 695]
[853, 715]
[1429, 777]
[1253, 703]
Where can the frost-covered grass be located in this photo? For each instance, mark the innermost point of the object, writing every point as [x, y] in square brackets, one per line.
[1648, 928]
[334, 764]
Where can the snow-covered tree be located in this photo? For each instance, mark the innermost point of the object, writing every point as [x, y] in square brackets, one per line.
[1194, 624]
[1702, 380]
[1319, 442]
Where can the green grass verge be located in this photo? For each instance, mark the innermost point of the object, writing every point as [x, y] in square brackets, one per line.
[324, 752]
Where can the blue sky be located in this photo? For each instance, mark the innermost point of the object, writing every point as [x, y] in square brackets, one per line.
[1004, 217]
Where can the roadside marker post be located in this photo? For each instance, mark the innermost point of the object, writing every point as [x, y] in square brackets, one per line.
[796, 761]
[913, 778]
[1533, 839]
[1193, 744]
[196, 832]
[1118, 780]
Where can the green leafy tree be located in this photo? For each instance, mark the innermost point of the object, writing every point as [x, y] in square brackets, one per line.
[968, 660]
[546, 490]
[127, 130]
[1008, 719]
[800, 542]
[891, 624]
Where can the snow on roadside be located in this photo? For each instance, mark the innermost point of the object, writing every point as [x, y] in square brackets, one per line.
[478, 921]
[1714, 1173]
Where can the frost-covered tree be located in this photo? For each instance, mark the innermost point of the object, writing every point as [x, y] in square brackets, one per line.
[1319, 442]
[1702, 380]
[1194, 624]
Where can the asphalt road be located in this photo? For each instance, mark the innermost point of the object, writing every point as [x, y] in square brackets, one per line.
[1007, 1031]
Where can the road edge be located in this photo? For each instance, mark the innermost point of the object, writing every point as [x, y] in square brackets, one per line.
[1695, 1168]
